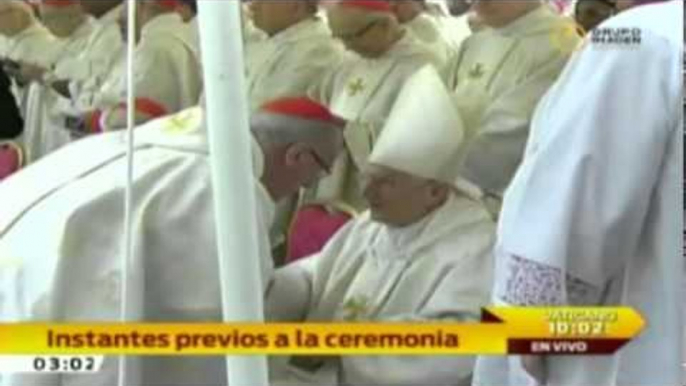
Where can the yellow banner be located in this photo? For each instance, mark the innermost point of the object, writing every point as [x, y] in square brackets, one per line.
[548, 331]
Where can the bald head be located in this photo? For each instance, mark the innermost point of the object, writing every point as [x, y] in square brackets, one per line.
[15, 16]
[274, 130]
[300, 141]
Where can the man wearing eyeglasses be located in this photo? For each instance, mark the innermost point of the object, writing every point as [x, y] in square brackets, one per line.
[297, 51]
[72, 201]
[363, 88]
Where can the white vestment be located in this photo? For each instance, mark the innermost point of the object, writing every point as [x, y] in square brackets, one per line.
[251, 34]
[363, 92]
[167, 75]
[457, 27]
[97, 60]
[193, 26]
[438, 269]
[73, 202]
[360, 89]
[287, 63]
[498, 78]
[44, 129]
[593, 216]
[107, 93]
[35, 45]
[438, 33]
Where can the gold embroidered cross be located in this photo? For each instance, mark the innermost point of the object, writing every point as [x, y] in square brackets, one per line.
[179, 123]
[355, 308]
[477, 71]
[356, 87]
[567, 37]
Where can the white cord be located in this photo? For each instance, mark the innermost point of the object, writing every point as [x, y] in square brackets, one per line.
[128, 197]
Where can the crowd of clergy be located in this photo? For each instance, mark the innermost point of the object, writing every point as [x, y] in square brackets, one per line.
[413, 161]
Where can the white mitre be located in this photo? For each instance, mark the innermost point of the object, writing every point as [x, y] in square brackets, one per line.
[424, 135]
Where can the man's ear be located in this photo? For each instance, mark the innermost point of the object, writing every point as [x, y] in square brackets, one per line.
[296, 154]
[438, 192]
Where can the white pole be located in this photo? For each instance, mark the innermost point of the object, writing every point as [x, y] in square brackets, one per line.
[233, 180]
[131, 311]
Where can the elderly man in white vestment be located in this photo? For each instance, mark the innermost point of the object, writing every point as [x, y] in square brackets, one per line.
[363, 88]
[498, 78]
[421, 253]
[593, 216]
[72, 201]
[298, 50]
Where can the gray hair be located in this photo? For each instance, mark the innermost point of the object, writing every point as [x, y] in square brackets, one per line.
[272, 130]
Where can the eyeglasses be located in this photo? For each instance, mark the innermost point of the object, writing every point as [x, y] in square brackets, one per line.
[358, 33]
